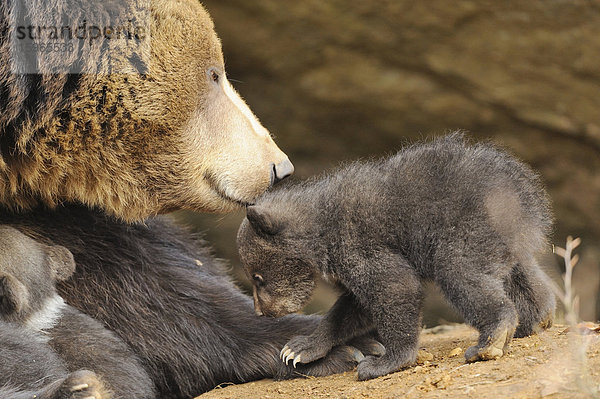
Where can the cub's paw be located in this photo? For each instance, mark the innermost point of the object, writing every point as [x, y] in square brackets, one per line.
[368, 346]
[547, 321]
[304, 349]
[529, 327]
[494, 347]
[83, 384]
[373, 367]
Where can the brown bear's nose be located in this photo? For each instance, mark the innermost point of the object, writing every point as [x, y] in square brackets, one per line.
[281, 171]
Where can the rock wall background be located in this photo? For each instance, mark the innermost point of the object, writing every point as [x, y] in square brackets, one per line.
[335, 80]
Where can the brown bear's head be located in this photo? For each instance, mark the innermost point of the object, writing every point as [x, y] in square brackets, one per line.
[28, 272]
[176, 136]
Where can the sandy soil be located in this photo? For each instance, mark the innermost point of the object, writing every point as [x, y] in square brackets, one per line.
[553, 364]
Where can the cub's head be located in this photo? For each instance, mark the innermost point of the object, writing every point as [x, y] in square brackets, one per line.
[279, 257]
[174, 136]
[28, 272]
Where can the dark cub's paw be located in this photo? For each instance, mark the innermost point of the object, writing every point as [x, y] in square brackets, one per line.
[304, 349]
[373, 367]
[547, 321]
[494, 347]
[82, 384]
[527, 329]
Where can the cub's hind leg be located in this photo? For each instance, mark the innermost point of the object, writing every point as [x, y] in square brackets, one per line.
[530, 290]
[478, 294]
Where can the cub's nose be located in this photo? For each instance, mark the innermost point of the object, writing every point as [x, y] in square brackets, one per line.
[281, 171]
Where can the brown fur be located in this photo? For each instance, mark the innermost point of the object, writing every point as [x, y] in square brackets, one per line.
[134, 145]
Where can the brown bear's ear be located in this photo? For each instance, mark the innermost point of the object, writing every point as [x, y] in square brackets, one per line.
[14, 297]
[61, 261]
[263, 221]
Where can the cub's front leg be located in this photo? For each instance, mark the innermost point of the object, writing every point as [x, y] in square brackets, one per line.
[392, 295]
[344, 321]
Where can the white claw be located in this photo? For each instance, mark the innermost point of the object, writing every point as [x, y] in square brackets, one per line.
[289, 357]
[285, 354]
[296, 360]
[358, 356]
[79, 387]
[282, 352]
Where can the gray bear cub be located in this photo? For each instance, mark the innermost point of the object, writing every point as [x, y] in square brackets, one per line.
[470, 218]
[48, 348]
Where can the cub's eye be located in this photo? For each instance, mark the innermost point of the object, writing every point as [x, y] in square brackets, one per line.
[214, 76]
[258, 279]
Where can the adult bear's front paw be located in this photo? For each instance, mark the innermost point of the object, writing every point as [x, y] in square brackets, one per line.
[304, 349]
[339, 360]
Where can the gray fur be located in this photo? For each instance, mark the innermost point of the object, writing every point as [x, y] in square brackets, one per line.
[28, 365]
[471, 218]
[64, 342]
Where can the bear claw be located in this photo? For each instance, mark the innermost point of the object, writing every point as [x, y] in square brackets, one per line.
[289, 357]
[284, 352]
[79, 387]
[358, 356]
[82, 384]
[287, 354]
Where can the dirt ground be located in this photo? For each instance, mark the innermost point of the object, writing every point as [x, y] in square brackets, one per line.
[553, 364]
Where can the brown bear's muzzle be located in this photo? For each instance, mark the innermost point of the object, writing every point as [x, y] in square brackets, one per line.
[281, 171]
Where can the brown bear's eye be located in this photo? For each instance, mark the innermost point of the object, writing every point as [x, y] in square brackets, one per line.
[214, 76]
[258, 279]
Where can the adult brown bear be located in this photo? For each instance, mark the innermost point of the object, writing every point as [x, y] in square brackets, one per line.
[88, 157]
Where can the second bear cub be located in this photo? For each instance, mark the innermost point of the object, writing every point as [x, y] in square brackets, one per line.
[66, 343]
[471, 218]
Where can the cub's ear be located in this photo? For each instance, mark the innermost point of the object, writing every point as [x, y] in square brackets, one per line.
[14, 297]
[61, 261]
[262, 220]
